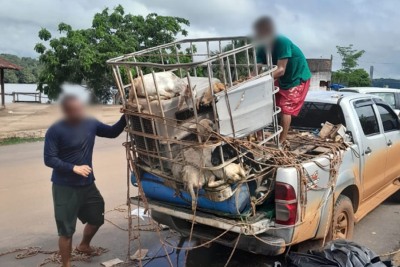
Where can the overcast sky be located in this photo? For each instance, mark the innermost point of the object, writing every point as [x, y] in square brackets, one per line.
[315, 26]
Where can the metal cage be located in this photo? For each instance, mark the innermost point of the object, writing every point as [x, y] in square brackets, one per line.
[159, 129]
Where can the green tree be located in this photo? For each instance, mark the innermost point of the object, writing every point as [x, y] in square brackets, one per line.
[241, 61]
[79, 55]
[349, 57]
[28, 74]
[359, 78]
[10, 76]
[348, 74]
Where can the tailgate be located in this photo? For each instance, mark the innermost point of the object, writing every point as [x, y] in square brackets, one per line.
[246, 226]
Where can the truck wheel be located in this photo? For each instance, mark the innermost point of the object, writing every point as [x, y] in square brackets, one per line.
[342, 226]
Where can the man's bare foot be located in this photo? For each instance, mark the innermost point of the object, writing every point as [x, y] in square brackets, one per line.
[85, 249]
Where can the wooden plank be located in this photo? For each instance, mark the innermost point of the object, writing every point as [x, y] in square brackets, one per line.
[303, 149]
[111, 263]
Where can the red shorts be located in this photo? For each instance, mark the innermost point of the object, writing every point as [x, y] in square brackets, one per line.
[291, 100]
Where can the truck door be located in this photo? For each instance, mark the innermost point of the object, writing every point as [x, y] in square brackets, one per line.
[373, 150]
[391, 128]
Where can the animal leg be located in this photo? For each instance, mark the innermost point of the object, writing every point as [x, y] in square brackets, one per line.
[211, 181]
[242, 173]
[167, 95]
[193, 195]
[214, 184]
[198, 101]
[181, 101]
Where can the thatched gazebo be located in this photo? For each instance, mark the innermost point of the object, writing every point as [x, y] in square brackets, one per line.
[5, 65]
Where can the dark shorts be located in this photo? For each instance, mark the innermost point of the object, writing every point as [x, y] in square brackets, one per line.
[71, 203]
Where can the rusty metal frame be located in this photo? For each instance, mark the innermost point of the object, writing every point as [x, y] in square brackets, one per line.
[227, 63]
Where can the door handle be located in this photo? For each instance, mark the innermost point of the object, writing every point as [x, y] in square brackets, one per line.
[368, 151]
[389, 143]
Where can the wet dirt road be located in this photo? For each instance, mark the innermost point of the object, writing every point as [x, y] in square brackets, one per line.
[26, 214]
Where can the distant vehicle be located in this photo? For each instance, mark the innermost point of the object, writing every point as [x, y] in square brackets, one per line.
[389, 95]
[336, 86]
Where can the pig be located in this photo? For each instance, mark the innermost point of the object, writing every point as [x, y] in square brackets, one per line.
[168, 84]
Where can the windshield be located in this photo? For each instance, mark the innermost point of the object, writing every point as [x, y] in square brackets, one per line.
[312, 115]
[389, 98]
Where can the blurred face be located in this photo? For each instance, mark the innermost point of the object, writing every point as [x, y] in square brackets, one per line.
[264, 31]
[74, 110]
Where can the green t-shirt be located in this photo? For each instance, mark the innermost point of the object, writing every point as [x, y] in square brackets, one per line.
[297, 70]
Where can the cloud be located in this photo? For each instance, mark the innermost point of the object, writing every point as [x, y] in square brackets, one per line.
[315, 26]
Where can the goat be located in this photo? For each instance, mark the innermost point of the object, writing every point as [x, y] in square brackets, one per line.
[168, 85]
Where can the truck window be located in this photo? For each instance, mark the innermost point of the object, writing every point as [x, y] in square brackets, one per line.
[389, 120]
[313, 114]
[368, 120]
[389, 98]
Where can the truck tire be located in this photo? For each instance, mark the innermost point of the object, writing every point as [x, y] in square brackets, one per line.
[342, 226]
[343, 212]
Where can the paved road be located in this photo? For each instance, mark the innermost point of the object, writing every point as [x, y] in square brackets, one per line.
[26, 217]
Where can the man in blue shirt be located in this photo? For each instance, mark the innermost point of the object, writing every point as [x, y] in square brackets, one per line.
[68, 149]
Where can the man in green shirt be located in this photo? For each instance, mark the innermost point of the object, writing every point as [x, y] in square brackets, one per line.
[292, 75]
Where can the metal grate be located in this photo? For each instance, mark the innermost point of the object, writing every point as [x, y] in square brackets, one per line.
[159, 128]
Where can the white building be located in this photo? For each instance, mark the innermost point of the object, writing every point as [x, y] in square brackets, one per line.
[321, 71]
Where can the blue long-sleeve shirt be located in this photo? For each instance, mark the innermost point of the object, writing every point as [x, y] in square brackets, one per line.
[66, 146]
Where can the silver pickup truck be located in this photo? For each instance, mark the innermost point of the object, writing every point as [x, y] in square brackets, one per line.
[368, 174]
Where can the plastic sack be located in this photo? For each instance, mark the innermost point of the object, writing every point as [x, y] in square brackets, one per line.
[338, 253]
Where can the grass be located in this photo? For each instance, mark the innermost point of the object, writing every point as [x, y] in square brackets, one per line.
[19, 140]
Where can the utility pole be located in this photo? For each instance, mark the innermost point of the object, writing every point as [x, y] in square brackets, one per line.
[371, 73]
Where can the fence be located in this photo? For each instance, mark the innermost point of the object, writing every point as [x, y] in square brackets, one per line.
[16, 97]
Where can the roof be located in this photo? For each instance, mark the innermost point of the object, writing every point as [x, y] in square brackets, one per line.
[366, 90]
[319, 64]
[4, 64]
[332, 97]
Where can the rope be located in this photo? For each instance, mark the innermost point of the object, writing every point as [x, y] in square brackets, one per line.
[233, 250]
[271, 159]
[390, 253]
[54, 257]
